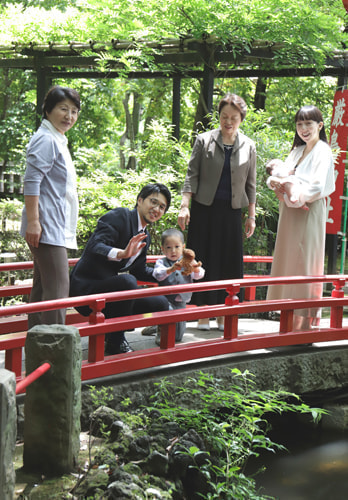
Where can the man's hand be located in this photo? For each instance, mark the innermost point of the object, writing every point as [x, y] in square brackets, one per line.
[135, 244]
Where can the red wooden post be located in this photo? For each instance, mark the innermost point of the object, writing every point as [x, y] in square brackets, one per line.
[336, 315]
[250, 293]
[96, 315]
[13, 361]
[231, 327]
[286, 321]
[231, 322]
[96, 342]
[168, 336]
[232, 299]
[96, 348]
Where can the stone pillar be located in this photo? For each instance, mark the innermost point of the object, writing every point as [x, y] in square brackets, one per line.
[53, 402]
[8, 425]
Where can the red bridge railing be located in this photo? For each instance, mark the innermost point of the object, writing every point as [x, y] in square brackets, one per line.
[96, 326]
[13, 290]
[151, 259]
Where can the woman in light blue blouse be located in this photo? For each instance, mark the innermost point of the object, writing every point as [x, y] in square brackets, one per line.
[49, 217]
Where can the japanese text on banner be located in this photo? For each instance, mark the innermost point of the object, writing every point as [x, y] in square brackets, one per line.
[338, 141]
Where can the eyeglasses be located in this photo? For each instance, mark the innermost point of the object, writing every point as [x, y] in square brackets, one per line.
[157, 204]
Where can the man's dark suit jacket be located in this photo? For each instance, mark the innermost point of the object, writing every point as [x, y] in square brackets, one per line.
[114, 229]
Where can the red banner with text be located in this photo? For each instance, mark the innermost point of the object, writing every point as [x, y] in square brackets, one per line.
[338, 141]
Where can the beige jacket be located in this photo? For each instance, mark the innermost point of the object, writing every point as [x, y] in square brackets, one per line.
[206, 164]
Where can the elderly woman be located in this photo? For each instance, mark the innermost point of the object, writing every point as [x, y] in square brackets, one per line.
[49, 216]
[220, 180]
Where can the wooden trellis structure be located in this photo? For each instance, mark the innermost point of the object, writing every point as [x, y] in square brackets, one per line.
[205, 59]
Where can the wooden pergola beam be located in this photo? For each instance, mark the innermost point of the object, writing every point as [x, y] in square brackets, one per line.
[205, 59]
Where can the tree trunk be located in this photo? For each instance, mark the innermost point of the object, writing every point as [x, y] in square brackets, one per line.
[131, 132]
[6, 95]
[202, 121]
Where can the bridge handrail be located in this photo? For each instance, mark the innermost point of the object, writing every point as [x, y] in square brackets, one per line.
[25, 287]
[150, 259]
[96, 326]
[229, 285]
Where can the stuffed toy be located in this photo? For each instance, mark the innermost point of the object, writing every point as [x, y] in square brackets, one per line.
[188, 263]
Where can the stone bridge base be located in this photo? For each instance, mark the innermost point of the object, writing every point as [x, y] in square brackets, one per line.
[318, 372]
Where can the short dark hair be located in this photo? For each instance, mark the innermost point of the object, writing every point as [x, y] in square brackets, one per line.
[57, 94]
[156, 187]
[309, 113]
[168, 233]
[236, 101]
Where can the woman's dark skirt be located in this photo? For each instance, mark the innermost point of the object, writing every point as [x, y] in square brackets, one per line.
[215, 234]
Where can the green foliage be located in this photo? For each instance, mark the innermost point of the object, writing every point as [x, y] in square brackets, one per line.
[233, 422]
[9, 210]
[285, 96]
[161, 151]
[11, 241]
[17, 116]
[303, 33]
[101, 396]
[100, 193]
[271, 142]
[107, 187]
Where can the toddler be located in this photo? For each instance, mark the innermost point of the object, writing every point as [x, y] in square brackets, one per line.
[168, 271]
